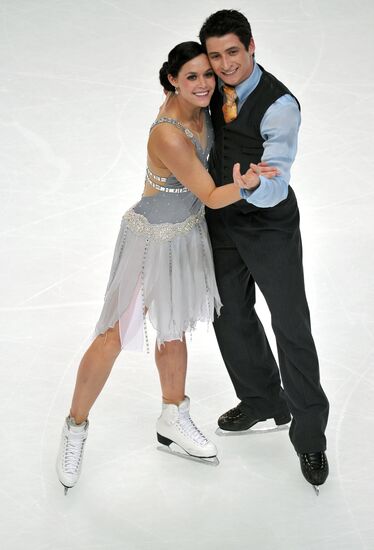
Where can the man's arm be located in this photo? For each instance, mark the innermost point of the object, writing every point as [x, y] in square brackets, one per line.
[279, 128]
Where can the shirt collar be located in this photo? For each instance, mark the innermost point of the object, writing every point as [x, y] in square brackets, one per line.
[248, 85]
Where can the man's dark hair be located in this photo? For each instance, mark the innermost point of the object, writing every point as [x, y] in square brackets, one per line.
[224, 22]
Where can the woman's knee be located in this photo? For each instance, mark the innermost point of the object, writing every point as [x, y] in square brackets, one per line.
[173, 346]
[110, 340]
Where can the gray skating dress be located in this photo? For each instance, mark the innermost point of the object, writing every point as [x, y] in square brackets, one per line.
[162, 262]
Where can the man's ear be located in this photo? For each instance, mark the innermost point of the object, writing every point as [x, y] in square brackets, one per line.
[252, 46]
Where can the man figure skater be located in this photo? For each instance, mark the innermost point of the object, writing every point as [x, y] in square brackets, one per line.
[256, 118]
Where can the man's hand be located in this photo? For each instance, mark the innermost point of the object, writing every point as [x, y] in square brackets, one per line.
[251, 179]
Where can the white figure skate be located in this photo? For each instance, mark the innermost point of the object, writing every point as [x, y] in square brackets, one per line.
[70, 455]
[177, 432]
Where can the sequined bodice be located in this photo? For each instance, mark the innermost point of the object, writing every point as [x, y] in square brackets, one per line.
[174, 203]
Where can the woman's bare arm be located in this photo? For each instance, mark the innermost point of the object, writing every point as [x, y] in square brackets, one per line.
[178, 155]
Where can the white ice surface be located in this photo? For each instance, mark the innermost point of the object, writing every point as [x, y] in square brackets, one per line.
[78, 92]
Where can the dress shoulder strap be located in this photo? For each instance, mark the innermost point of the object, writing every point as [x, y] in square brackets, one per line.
[179, 125]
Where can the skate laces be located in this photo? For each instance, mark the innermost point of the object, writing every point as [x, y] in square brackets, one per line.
[190, 429]
[315, 461]
[73, 454]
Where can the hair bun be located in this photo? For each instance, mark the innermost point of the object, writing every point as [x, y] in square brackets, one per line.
[164, 71]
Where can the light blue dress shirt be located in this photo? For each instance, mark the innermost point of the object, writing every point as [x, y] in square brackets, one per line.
[279, 128]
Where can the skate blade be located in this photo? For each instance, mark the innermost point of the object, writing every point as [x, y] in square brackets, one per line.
[174, 449]
[316, 489]
[65, 488]
[252, 431]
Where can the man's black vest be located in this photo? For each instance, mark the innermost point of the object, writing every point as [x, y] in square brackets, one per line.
[241, 140]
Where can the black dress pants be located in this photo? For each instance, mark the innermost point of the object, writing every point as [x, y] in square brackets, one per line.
[263, 245]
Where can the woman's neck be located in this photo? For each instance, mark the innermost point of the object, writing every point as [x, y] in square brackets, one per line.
[182, 110]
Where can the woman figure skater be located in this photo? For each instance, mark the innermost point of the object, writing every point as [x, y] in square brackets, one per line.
[162, 264]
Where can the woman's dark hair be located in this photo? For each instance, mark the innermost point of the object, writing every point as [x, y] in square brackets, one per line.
[177, 57]
[224, 22]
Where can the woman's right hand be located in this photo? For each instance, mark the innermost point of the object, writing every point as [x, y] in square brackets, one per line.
[251, 179]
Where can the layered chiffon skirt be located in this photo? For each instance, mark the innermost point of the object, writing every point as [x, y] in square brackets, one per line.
[164, 271]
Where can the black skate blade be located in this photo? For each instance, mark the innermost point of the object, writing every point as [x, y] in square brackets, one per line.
[252, 431]
[174, 449]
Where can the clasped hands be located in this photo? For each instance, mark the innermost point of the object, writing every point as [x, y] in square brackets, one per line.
[251, 179]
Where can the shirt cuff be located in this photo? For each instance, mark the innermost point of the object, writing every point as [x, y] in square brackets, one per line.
[246, 193]
[268, 194]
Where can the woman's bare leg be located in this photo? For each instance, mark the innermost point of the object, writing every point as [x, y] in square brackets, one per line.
[171, 361]
[93, 372]
[174, 425]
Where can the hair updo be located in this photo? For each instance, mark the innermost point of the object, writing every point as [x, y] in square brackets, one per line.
[178, 56]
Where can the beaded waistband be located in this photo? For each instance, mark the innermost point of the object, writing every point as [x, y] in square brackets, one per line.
[139, 224]
[163, 188]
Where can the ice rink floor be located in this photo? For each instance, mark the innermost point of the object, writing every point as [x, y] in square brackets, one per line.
[78, 93]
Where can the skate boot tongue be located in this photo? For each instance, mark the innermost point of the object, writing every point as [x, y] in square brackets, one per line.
[187, 425]
[76, 428]
[184, 407]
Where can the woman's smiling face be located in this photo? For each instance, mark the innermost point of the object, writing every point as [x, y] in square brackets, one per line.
[195, 81]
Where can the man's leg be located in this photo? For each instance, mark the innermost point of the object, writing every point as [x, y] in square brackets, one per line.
[276, 259]
[240, 334]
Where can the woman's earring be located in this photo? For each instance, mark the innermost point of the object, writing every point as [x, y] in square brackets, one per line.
[176, 91]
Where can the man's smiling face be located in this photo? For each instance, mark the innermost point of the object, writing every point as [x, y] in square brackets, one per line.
[231, 62]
